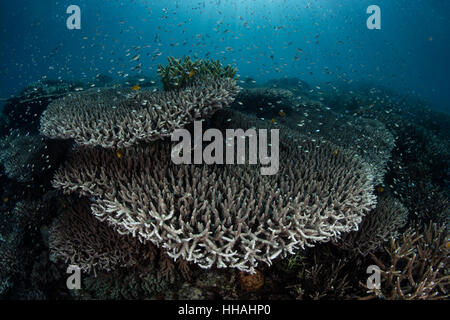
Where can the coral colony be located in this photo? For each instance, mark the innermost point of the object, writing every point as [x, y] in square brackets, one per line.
[219, 233]
[256, 192]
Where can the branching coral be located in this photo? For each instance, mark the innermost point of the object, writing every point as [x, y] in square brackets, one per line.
[318, 273]
[120, 118]
[376, 227]
[78, 238]
[180, 73]
[224, 215]
[416, 266]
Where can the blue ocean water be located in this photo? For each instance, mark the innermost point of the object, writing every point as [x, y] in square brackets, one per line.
[316, 41]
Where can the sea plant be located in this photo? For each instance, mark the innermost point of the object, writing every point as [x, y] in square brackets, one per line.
[179, 73]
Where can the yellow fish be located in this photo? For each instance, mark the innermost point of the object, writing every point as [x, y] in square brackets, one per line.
[135, 88]
[336, 152]
[5, 200]
[273, 120]
[282, 113]
[380, 189]
[191, 73]
[119, 154]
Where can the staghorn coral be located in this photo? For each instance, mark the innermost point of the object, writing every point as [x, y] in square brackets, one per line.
[224, 215]
[415, 267]
[376, 227]
[78, 238]
[319, 273]
[324, 280]
[158, 277]
[180, 73]
[120, 118]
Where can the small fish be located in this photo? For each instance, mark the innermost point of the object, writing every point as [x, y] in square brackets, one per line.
[191, 73]
[5, 199]
[136, 57]
[380, 189]
[273, 121]
[119, 154]
[282, 113]
[336, 152]
[136, 87]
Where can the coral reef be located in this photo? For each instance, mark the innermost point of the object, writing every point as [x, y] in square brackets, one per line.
[120, 118]
[415, 267]
[28, 271]
[127, 284]
[324, 281]
[419, 171]
[24, 110]
[10, 262]
[25, 157]
[367, 137]
[376, 228]
[180, 73]
[154, 278]
[150, 229]
[226, 215]
[419, 174]
[76, 237]
[256, 99]
[319, 273]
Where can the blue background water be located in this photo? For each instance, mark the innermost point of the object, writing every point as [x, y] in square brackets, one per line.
[260, 37]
